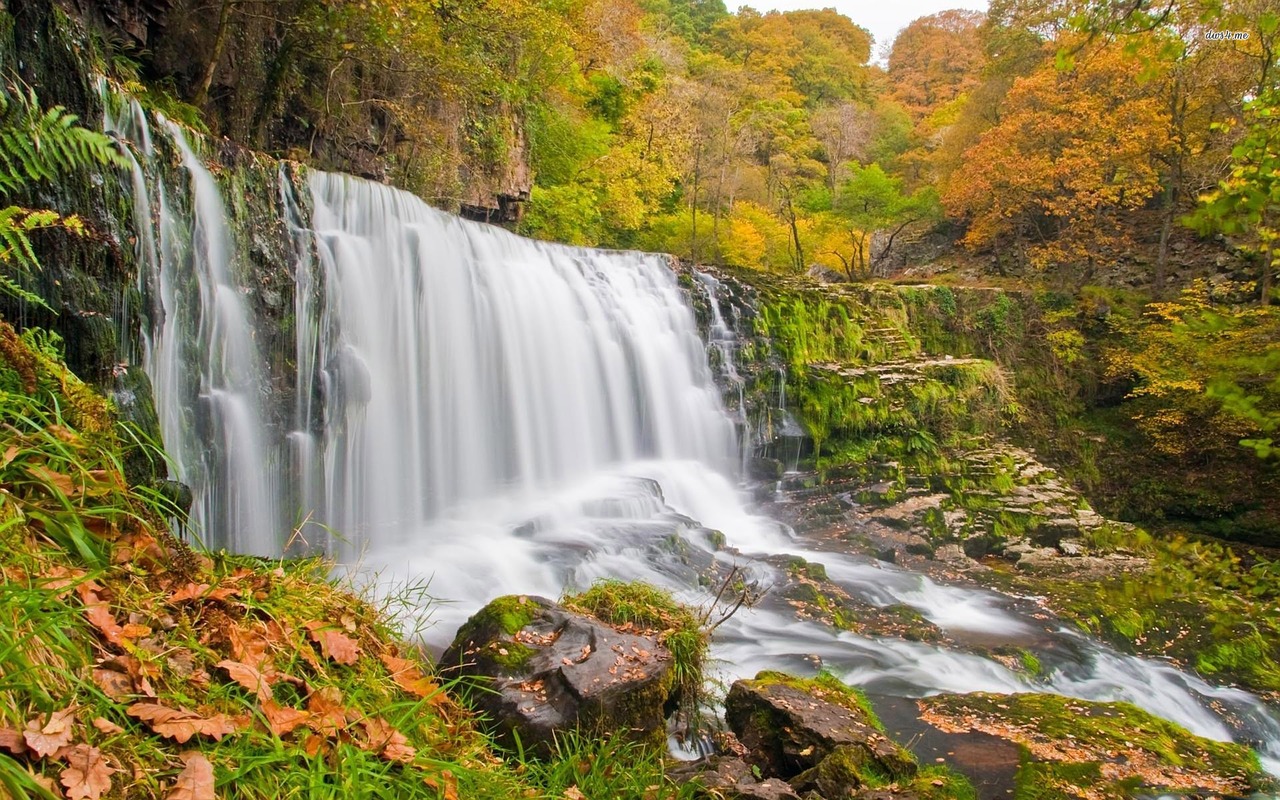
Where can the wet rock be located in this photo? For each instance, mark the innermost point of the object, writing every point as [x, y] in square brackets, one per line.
[765, 469]
[539, 669]
[1051, 532]
[790, 728]
[1072, 547]
[919, 546]
[731, 778]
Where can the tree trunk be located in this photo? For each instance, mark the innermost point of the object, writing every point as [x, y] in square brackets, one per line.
[219, 44]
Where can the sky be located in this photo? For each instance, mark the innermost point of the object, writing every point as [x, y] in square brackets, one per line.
[884, 18]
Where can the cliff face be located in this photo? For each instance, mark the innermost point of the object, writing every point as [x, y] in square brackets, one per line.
[303, 80]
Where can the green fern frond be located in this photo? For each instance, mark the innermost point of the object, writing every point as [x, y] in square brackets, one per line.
[38, 146]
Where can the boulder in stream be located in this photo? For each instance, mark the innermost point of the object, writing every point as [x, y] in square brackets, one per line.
[539, 669]
[816, 734]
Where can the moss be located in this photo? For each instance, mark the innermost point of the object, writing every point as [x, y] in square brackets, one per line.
[1078, 736]
[826, 686]
[510, 613]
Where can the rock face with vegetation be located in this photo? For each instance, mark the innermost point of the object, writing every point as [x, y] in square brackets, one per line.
[538, 670]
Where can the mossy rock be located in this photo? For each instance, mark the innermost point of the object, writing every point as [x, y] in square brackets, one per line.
[537, 671]
[791, 726]
[1114, 750]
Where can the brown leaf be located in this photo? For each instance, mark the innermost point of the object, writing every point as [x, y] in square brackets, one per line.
[181, 725]
[283, 719]
[106, 726]
[327, 713]
[12, 741]
[87, 775]
[57, 480]
[445, 783]
[334, 644]
[98, 612]
[195, 782]
[248, 646]
[115, 685]
[387, 742]
[573, 793]
[248, 677]
[192, 591]
[409, 677]
[48, 737]
[48, 784]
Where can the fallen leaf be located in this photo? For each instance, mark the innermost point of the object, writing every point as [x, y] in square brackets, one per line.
[335, 645]
[248, 646]
[327, 713]
[283, 719]
[248, 677]
[181, 725]
[192, 591]
[409, 677]
[195, 782]
[116, 685]
[87, 775]
[106, 726]
[48, 784]
[446, 784]
[62, 483]
[573, 793]
[98, 612]
[388, 742]
[12, 741]
[48, 737]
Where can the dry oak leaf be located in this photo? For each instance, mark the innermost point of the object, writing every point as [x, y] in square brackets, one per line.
[283, 719]
[408, 677]
[446, 784]
[115, 685]
[181, 725]
[327, 713]
[192, 591]
[248, 677]
[12, 741]
[195, 782]
[388, 742]
[87, 774]
[62, 483]
[334, 644]
[106, 726]
[248, 646]
[48, 737]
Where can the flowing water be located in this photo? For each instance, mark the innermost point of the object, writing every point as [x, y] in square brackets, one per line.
[481, 414]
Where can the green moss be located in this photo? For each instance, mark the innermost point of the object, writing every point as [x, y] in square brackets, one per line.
[1104, 728]
[828, 687]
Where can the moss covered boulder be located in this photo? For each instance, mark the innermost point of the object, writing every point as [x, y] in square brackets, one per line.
[818, 735]
[536, 669]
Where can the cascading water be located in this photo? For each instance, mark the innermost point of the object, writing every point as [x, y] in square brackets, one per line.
[490, 415]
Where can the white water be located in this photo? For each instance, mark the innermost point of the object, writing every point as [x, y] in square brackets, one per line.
[492, 415]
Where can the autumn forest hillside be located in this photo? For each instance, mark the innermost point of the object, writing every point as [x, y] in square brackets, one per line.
[1101, 156]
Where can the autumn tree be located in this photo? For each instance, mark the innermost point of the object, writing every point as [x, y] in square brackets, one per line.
[936, 59]
[1072, 153]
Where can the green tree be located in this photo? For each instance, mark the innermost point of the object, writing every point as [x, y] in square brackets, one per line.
[1246, 203]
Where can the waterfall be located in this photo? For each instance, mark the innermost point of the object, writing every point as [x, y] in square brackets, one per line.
[482, 414]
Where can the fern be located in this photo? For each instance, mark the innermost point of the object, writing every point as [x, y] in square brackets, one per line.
[38, 146]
